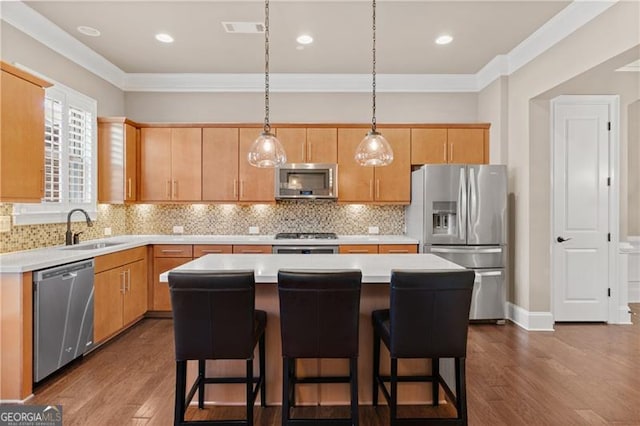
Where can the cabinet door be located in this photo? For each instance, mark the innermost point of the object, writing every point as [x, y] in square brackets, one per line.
[220, 164]
[21, 140]
[397, 248]
[131, 140]
[294, 142]
[428, 146]
[355, 182]
[256, 184]
[161, 299]
[252, 249]
[466, 146]
[135, 298]
[108, 291]
[322, 145]
[393, 182]
[186, 164]
[358, 249]
[155, 164]
[200, 250]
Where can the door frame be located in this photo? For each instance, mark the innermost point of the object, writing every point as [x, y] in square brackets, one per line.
[617, 306]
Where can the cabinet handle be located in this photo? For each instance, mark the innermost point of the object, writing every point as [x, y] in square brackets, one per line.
[175, 189]
[451, 152]
[42, 183]
[129, 188]
[247, 251]
[358, 251]
[444, 152]
[371, 188]
[398, 251]
[171, 251]
[211, 251]
[304, 152]
[309, 152]
[377, 188]
[122, 282]
[169, 189]
[235, 188]
[128, 272]
[241, 189]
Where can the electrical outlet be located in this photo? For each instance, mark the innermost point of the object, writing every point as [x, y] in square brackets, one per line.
[5, 223]
[178, 229]
[374, 230]
[254, 229]
[107, 231]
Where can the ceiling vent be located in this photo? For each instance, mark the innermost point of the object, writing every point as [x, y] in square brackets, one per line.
[244, 27]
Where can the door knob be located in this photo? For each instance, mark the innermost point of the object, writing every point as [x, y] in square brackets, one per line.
[562, 240]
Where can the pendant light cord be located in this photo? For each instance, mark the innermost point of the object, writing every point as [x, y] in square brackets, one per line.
[373, 119]
[267, 125]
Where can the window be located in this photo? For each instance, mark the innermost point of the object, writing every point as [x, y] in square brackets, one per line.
[69, 156]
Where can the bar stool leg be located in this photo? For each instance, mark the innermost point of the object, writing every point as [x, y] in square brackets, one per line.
[461, 389]
[181, 384]
[353, 373]
[292, 381]
[435, 384]
[376, 366]
[262, 360]
[250, 400]
[201, 374]
[286, 373]
[393, 403]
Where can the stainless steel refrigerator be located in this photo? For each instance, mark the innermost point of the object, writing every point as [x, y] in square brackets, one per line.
[459, 212]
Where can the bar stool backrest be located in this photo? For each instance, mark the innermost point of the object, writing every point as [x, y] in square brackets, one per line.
[429, 313]
[213, 314]
[319, 313]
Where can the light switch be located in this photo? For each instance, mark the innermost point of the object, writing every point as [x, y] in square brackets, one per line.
[107, 231]
[374, 230]
[5, 223]
[254, 229]
[178, 229]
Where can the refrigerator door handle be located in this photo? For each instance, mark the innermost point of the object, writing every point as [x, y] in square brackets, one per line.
[473, 197]
[489, 274]
[462, 204]
[466, 250]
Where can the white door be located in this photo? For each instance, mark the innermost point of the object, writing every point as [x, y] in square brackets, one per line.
[581, 211]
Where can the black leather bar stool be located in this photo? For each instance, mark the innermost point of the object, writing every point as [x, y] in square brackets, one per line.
[214, 317]
[319, 313]
[428, 318]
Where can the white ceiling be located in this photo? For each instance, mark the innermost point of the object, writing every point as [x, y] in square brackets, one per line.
[406, 31]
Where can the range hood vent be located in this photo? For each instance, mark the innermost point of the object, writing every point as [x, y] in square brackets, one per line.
[244, 27]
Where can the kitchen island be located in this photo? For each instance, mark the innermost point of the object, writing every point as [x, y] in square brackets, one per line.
[376, 273]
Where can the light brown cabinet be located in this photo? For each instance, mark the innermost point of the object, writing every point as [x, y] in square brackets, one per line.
[309, 145]
[375, 248]
[255, 184]
[21, 136]
[358, 249]
[118, 143]
[220, 181]
[388, 184]
[120, 296]
[171, 164]
[200, 250]
[166, 257]
[449, 145]
[252, 249]
[397, 249]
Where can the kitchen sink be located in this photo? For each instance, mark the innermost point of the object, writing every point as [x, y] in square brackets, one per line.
[91, 246]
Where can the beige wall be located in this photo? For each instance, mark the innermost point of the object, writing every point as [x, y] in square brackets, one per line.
[302, 107]
[491, 109]
[18, 47]
[610, 34]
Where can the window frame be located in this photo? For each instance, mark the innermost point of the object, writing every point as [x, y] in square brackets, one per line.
[53, 212]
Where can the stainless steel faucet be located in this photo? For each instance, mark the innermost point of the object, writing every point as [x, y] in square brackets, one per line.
[69, 237]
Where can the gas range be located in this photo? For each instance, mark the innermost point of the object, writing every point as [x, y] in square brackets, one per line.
[306, 236]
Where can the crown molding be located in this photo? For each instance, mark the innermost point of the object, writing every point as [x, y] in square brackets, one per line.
[574, 16]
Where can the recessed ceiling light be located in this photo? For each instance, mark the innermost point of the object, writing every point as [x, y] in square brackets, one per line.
[444, 39]
[89, 31]
[165, 38]
[305, 39]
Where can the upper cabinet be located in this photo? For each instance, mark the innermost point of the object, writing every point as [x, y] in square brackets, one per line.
[255, 184]
[118, 144]
[309, 145]
[459, 145]
[171, 164]
[21, 136]
[388, 184]
[220, 180]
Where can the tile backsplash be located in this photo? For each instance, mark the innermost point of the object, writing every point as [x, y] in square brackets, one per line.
[216, 219]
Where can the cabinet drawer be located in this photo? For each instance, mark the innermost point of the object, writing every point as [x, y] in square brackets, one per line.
[249, 249]
[113, 260]
[200, 249]
[359, 249]
[172, 250]
[397, 248]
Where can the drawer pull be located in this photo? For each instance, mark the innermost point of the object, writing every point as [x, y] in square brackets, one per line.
[358, 251]
[251, 251]
[211, 251]
[399, 251]
[172, 251]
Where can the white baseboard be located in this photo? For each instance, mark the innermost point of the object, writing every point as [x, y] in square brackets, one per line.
[531, 321]
[16, 401]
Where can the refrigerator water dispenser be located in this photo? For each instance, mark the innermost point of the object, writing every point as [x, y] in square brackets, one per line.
[444, 217]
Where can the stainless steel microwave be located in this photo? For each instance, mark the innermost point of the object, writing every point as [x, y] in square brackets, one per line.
[306, 181]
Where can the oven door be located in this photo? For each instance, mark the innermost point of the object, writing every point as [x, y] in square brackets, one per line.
[305, 249]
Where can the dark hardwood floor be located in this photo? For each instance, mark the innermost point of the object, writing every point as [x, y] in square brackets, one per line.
[580, 374]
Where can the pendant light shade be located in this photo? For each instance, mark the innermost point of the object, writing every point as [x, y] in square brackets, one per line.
[266, 151]
[374, 150]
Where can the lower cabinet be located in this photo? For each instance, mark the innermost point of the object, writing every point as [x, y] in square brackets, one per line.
[120, 291]
[359, 249]
[397, 248]
[166, 257]
[374, 248]
[252, 249]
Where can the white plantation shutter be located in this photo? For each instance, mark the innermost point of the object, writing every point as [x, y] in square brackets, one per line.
[69, 156]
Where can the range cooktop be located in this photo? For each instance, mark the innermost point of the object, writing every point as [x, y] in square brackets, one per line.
[306, 235]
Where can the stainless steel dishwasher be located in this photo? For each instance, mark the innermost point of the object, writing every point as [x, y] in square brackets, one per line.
[63, 316]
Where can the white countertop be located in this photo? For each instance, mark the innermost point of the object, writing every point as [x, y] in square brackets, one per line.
[376, 268]
[30, 260]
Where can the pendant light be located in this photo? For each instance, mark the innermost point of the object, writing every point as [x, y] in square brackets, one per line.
[374, 150]
[266, 151]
